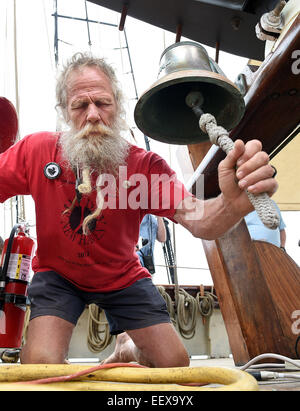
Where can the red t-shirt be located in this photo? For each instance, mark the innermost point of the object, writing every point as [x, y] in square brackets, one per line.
[104, 260]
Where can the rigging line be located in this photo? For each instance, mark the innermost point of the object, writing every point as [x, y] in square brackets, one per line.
[11, 212]
[167, 248]
[87, 23]
[146, 139]
[16, 62]
[81, 19]
[55, 33]
[121, 54]
[131, 67]
[175, 268]
[65, 42]
[48, 36]
[174, 233]
[17, 96]
[6, 42]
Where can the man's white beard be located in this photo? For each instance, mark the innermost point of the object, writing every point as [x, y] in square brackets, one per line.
[96, 147]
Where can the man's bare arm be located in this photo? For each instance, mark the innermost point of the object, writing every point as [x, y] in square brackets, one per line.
[245, 167]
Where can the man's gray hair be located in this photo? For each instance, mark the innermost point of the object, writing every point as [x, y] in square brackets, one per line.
[77, 62]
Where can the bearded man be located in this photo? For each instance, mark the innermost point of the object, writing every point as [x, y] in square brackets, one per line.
[86, 236]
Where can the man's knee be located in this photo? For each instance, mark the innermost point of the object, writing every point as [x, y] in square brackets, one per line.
[47, 341]
[159, 346]
[39, 355]
[177, 358]
[183, 359]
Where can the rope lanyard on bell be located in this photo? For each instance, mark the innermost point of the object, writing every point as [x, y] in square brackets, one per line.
[219, 135]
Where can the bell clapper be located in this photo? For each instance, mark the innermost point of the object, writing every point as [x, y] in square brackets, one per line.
[195, 100]
[208, 123]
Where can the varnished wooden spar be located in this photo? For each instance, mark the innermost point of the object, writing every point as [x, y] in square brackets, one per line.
[284, 289]
[258, 288]
[257, 284]
[272, 107]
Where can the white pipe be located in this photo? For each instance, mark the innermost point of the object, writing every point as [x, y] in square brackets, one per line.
[211, 152]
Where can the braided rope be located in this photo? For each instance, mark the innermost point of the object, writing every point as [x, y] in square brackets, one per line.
[186, 314]
[261, 202]
[169, 303]
[205, 303]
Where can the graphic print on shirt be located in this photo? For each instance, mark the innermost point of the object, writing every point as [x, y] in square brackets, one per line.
[72, 220]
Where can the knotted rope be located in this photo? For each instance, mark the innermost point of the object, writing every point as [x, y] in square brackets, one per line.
[261, 202]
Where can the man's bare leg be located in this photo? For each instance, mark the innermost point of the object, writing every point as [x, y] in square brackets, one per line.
[47, 341]
[155, 346]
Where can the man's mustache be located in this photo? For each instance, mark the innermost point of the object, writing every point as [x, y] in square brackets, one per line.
[100, 129]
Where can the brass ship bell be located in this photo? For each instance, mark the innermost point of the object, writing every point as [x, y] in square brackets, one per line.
[162, 112]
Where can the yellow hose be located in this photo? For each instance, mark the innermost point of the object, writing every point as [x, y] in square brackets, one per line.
[126, 379]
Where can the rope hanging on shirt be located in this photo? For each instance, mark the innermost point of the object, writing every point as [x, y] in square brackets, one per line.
[84, 186]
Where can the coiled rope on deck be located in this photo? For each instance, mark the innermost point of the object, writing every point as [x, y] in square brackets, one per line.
[186, 314]
[169, 303]
[99, 336]
[205, 302]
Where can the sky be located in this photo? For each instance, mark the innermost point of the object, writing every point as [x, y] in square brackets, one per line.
[36, 83]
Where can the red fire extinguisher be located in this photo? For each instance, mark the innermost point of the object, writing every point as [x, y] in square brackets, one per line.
[14, 277]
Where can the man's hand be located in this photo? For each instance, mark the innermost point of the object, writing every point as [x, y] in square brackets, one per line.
[245, 167]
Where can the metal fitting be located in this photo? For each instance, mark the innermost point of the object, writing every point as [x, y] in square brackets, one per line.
[271, 23]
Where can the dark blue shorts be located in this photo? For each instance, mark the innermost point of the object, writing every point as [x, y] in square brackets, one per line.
[137, 306]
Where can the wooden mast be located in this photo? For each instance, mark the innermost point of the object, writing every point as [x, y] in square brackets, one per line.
[258, 285]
